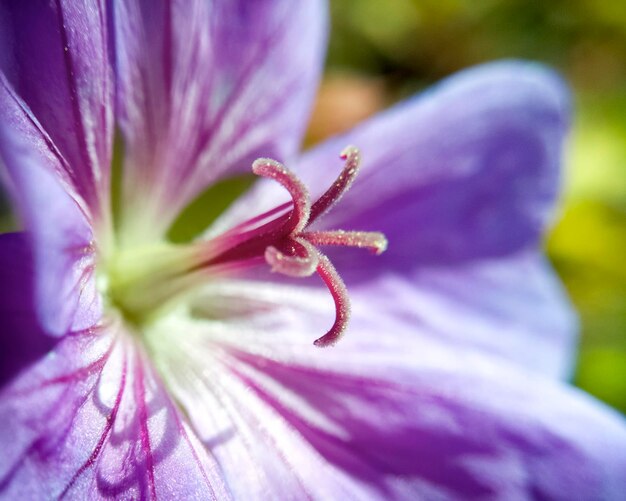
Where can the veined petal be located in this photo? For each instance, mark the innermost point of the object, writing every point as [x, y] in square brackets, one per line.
[22, 341]
[56, 85]
[467, 170]
[63, 251]
[435, 422]
[205, 88]
[260, 455]
[512, 307]
[93, 421]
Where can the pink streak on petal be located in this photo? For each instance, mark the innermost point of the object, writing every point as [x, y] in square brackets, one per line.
[105, 433]
[179, 424]
[87, 175]
[143, 419]
[81, 373]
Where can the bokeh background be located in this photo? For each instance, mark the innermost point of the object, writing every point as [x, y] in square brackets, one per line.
[383, 51]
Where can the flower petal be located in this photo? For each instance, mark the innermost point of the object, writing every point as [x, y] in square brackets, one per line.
[260, 455]
[512, 307]
[57, 81]
[21, 339]
[65, 295]
[447, 431]
[93, 421]
[469, 169]
[434, 422]
[207, 87]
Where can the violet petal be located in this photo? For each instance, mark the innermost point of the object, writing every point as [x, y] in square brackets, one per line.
[424, 421]
[205, 88]
[65, 295]
[512, 308]
[22, 341]
[56, 69]
[470, 169]
[93, 421]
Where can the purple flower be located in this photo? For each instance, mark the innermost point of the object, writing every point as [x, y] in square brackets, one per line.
[136, 368]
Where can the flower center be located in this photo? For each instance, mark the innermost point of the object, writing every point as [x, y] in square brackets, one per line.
[143, 281]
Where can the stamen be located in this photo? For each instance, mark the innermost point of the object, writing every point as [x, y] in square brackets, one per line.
[279, 237]
[324, 203]
[299, 216]
[302, 264]
[338, 291]
[372, 240]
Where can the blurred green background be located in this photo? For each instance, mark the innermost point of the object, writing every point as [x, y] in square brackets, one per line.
[381, 52]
